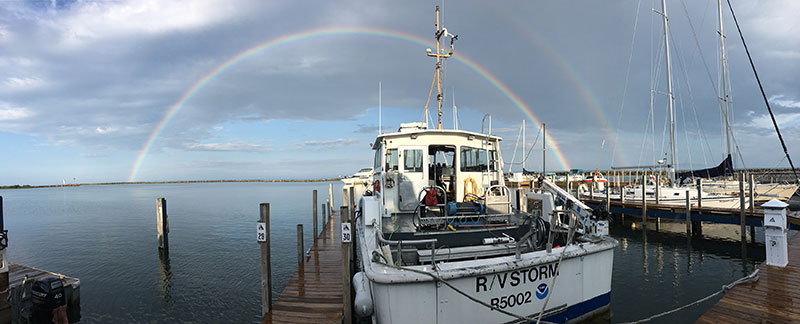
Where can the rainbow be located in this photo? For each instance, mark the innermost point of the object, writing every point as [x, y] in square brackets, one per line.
[573, 76]
[326, 32]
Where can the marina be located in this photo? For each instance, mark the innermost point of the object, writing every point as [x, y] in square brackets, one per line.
[266, 185]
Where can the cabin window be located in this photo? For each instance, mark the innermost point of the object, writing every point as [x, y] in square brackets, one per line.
[391, 160]
[412, 160]
[474, 159]
[377, 164]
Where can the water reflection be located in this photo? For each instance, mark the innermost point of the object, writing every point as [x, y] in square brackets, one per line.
[164, 271]
[655, 271]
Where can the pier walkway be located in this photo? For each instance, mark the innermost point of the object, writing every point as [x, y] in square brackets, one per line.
[314, 293]
[774, 298]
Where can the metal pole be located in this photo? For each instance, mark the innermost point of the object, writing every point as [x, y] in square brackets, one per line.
[266, 273]
[673, 163]
[752, 189]
[544, 147]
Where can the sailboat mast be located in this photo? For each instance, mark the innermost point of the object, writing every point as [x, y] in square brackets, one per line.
[524, 158]
[723, 68]
[672, 161]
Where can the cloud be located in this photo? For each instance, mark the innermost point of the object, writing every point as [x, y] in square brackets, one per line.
[331, 143]
[12, 113]
[229, 147]
[778, 100]
[367, 129]
[94, 155]
[783, 120]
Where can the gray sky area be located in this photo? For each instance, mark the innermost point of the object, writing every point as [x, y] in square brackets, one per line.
[143, 90]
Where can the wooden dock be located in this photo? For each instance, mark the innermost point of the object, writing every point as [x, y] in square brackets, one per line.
[704, 214]
[20, 304]
[314, 293]
[774, 298]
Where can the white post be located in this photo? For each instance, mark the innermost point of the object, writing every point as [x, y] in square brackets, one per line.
[775, 233]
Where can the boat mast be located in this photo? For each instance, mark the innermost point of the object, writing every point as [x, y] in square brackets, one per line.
[524, 158]
[439, 59]
[672, 162]
[724, 83]
[544, 145]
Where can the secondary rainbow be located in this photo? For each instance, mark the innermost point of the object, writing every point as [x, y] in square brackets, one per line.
[334, 31]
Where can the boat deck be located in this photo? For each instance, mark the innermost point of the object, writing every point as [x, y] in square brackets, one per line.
[774, 298]
[314, 293]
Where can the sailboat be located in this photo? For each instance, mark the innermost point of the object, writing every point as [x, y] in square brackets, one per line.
[439, 238]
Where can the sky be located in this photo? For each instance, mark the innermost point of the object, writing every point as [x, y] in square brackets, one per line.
[145, 90]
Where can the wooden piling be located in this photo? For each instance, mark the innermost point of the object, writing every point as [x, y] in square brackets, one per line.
[324, 217]
[688, 215]
[608, 199]
[315, 227]
[352, 202]
[699, 193]
[658, 189]
[752, 189]
[742, 224]
[162, 223]
[266, 272]
[347, 303]
[5, 307]
[300, 251]
[644, 201]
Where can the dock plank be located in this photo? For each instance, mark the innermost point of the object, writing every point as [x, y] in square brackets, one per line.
[774, 298]
[314, 293]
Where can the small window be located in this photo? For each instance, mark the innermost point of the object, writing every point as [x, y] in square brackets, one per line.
[474, 160]
[412, 160]
[391, 160]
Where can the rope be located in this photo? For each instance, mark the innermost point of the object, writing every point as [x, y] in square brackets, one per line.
[625, 88]
[753, 277]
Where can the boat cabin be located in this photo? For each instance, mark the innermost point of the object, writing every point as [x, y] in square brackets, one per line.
[460, 166]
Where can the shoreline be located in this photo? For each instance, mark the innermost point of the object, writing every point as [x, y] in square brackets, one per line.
[164, 182]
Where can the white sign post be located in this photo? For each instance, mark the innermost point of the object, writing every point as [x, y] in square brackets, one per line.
[262, 232]
[346, 236]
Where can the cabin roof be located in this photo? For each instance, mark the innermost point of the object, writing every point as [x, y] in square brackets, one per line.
[426, 132]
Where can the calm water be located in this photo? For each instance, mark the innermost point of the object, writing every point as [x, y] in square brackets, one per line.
[106, 236]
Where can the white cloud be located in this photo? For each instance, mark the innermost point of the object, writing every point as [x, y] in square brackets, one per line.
[229, 147]
[788, 103]
[12, 113]
[331, 143]
[784, 120]
[23, 83]
[100, 20]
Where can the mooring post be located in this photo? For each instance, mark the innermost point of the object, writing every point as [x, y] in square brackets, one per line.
[752, 185]
[266, 272]
[688, 215]
[344, 198]
[591, 190]
[742, 220]
[324, 217]
[347, 312]
[352, 202]
[699, 193]
[314, 228]
[658, 188]
[608, 199]
[300, 251]
[162, 223]
[5, 307]
[644, 201]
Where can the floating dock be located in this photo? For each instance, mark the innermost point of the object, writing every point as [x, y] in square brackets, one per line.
[774, 298]
[314, 293]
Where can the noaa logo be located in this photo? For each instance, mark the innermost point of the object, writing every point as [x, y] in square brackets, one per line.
[541, 291]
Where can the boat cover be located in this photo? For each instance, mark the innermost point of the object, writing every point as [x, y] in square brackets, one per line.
[723, 169]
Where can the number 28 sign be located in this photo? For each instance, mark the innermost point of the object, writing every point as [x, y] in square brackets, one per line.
[346, 235]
